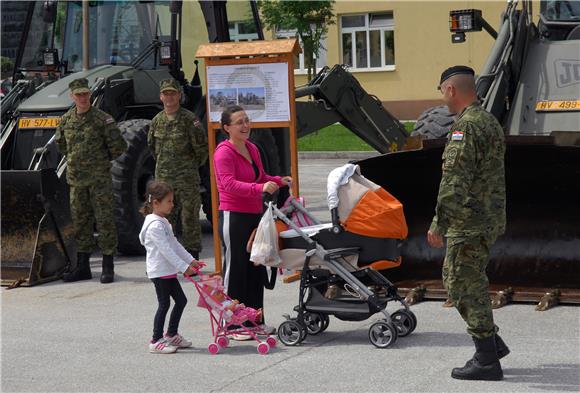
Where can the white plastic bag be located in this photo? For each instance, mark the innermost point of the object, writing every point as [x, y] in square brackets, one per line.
[265, 246]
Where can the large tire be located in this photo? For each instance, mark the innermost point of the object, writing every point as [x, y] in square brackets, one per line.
[204, 171]
[263, 138]
[131, 173]
[204, 174]
[434, 123]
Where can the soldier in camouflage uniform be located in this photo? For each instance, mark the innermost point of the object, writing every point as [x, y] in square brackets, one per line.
[90, 140]
[179, 143]
[470, 214]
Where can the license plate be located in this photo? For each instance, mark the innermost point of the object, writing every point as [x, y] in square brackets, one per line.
[38, 122]
[549, 106]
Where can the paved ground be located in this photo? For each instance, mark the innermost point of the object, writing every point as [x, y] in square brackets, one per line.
[90, 337]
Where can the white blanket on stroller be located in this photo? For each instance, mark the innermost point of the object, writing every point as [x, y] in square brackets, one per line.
[336, 178]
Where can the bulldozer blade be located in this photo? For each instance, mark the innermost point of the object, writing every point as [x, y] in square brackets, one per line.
[502, 298]
[540, 250]
[37, 233]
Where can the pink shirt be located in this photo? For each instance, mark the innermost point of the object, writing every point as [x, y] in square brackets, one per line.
[239, 190]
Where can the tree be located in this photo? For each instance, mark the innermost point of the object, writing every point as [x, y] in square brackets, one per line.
[310, 19]
[7, 65]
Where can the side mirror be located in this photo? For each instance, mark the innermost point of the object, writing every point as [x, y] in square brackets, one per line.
[49, 11]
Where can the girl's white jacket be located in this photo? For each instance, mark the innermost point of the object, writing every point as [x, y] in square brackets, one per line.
[165, 256]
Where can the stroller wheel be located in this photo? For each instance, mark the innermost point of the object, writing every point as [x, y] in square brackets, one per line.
[213, 348]
[223, 342]
[382, 334]
[404, 321]
[314, 322]
[271, 342]
[290, 333]
[263, 348]
[326, 320]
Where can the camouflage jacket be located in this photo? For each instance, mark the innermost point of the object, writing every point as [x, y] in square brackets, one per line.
[90, 142]
[179, 146]
[471, 198]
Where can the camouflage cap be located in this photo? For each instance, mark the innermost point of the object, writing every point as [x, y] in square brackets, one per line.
[169, 84]
[79, 86]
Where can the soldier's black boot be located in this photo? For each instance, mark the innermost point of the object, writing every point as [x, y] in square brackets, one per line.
[108, 274]
[484, 366]
[501, 347]
[82, 271]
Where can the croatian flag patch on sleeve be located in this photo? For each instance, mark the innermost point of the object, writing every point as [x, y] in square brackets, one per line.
[457, 136]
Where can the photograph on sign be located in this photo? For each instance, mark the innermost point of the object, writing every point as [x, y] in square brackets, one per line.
[220, 99]
[261, 89]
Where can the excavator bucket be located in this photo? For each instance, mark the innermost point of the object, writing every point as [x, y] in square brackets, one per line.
[536, 260]
[37, 232]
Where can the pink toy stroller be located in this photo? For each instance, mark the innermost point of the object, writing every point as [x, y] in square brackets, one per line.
[225, 312]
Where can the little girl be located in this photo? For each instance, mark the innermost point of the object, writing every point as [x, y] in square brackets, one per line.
[165, 258]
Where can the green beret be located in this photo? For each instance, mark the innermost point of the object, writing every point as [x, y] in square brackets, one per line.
[79, 86]
[456, 70]
[169, 84]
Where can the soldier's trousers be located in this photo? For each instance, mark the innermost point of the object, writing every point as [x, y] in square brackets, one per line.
[187, 203]
[89, 205]
[466, 282]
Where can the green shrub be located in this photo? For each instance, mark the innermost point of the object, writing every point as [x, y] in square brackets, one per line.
[337, 138]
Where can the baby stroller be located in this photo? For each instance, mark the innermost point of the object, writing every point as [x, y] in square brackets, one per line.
[224, 313]
[340, 261]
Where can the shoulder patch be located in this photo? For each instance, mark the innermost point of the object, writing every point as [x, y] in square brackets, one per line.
[196, 123]
[109, 120]
[450, 157]
[457, 136]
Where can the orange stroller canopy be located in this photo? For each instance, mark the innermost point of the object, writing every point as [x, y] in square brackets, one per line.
[364, 207]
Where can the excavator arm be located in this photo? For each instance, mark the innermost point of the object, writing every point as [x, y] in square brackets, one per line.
[339, 97]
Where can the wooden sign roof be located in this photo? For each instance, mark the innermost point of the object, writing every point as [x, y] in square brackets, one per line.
[248, 48]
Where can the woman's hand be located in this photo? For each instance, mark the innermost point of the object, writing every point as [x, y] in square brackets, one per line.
[270, 187]
[286, 180]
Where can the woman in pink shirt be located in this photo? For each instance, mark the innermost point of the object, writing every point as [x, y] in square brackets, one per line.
[241, 181]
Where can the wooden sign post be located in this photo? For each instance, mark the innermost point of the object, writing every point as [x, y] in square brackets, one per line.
[258, 76]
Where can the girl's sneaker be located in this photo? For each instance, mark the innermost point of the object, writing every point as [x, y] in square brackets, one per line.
[161, 346]
[178, 341]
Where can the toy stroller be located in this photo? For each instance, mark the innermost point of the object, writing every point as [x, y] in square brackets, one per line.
[225, 312]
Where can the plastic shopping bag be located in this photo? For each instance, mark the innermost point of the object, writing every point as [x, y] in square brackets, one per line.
[265, 246]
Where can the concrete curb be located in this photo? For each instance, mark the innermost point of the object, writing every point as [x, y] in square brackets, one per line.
[348, 155]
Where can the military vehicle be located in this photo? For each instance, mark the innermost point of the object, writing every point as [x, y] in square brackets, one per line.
[125, 50]
[531, 83]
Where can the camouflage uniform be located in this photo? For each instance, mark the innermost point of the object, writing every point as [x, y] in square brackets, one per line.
[180, 148]
[470, 212]
[90, 142]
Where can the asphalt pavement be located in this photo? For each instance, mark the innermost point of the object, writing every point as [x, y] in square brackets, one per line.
[85, 336]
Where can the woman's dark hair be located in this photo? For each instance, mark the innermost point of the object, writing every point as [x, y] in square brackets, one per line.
[156, 191]
[227, 115]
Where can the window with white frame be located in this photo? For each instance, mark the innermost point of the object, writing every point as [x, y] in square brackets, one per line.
[368, 41]
[243, 31]
[299, 64]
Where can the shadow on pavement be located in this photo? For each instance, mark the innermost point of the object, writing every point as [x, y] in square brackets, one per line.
[550, 377]
[417, 339]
